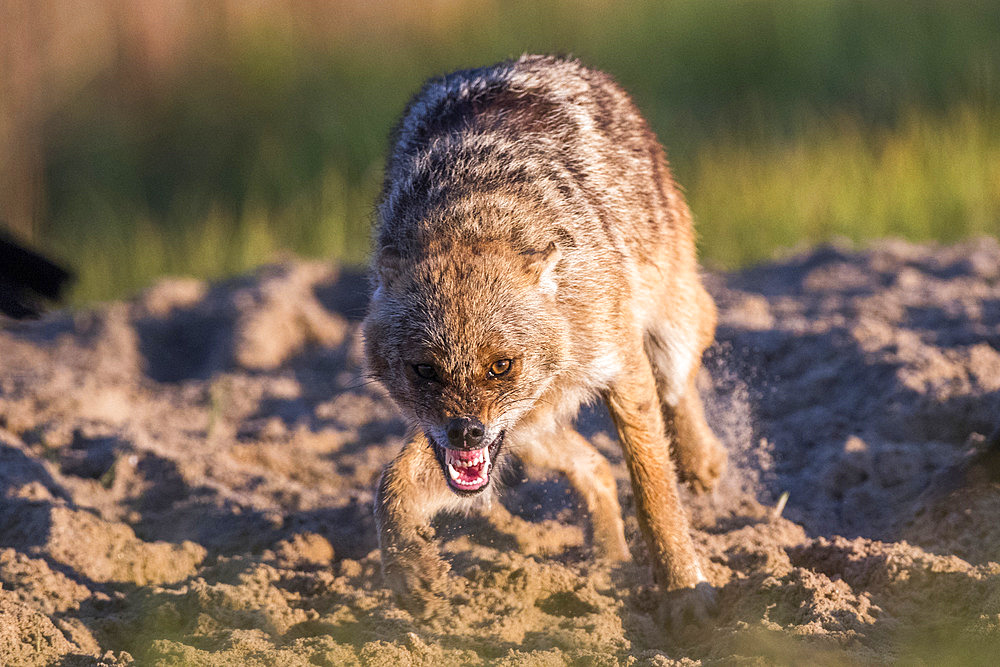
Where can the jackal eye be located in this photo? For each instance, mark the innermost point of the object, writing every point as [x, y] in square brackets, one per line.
[425, 371]
[499, 368]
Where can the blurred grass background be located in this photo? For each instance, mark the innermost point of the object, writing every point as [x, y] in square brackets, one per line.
[202, 137]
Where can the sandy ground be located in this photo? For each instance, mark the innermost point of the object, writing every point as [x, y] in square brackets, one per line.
[187, 478]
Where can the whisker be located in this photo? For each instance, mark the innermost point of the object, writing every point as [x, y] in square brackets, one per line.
[360, 384]
[536, 399]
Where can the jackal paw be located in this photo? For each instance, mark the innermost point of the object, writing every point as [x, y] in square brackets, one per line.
[688, 608]
[417, 580]
[701, 473]
[610, 545]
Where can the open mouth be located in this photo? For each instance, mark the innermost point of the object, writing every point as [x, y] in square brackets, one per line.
[468, 470]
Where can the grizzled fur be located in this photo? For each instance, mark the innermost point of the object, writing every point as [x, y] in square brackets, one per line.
[528, 214]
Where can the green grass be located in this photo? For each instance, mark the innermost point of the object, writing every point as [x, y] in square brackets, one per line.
[786, 122]
[931, 178]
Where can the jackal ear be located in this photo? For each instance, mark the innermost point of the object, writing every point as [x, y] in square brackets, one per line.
[541, 264]
[387, 261]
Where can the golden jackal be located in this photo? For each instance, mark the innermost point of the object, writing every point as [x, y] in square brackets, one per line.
[532, 253]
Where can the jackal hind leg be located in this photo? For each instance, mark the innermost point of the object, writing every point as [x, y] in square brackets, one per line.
[634, 406]
[410, 493]
[699, 456]
[589, 473]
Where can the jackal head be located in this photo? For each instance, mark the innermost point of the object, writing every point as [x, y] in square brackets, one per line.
[465, 338]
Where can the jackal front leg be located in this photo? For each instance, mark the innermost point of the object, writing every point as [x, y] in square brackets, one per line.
[635, 408]
[411, 491]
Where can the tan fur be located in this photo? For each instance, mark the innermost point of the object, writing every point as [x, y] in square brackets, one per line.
[528, 214]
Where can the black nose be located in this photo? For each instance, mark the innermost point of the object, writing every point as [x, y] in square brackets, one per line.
[465, 432]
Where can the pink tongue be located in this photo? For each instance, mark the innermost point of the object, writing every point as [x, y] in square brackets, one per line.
[471, 474]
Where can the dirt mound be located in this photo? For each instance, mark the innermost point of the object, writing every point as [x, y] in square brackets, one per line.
[187, 479]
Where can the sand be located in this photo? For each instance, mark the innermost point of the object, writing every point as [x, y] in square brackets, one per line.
[187, 479]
